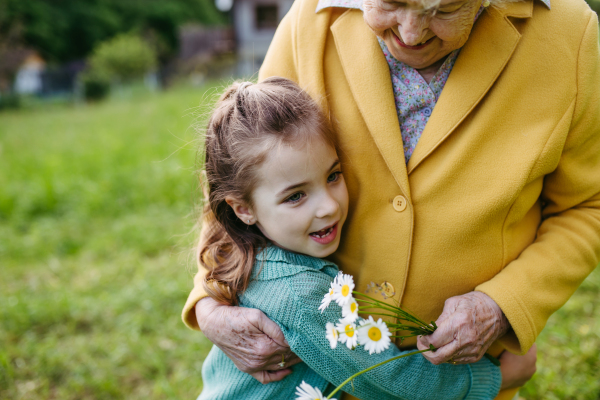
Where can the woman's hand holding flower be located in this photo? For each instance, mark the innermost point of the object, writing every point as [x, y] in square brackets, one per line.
[467, 327]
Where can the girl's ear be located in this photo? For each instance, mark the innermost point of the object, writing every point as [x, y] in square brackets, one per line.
[241, 209]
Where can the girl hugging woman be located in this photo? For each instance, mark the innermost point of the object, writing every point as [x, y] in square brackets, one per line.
[277, 203]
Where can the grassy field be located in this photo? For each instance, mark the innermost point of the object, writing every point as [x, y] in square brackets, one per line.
[96, 214]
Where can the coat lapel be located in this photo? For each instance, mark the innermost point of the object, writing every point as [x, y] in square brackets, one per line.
[368, 75]
[490, 46]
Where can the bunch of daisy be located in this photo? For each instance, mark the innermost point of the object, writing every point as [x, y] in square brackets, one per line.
[375, 336]
[354, 331]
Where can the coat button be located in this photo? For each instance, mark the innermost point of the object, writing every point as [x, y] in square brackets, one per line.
[399, 203]
[427, 111]
[387, 289]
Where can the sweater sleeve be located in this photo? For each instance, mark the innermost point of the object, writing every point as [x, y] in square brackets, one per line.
[567, 246]
[293, 303]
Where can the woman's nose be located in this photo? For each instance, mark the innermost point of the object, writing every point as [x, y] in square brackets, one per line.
[412, 25]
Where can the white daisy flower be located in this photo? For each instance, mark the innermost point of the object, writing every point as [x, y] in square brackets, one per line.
[328, 297]
[347, 331]
[337, 277]
[343, 290]
[307, 392]
[375, 336]
[350, 310]
[332, 335]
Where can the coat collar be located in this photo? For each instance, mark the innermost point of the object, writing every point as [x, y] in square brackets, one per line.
[482, 59]
[368, 75]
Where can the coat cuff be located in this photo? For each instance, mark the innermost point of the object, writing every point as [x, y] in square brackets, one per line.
[188, 314]
[486, 379]
[522, 336]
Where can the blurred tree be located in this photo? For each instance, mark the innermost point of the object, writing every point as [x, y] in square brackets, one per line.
[595, 5]
[124, 57]
[64, 30]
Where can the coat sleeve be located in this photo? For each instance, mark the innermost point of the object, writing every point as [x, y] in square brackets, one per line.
[293, 303]
[567, 245]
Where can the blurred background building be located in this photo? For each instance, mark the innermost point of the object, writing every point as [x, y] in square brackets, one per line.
[82, 48]
[254, 23]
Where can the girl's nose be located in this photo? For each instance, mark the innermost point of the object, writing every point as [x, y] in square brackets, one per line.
[328, 206]
[412, 26]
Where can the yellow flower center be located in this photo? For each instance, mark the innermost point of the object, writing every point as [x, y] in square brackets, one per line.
[334, 332]
[345, 290]
[349, 331]
[375, 334]
[330, 292]
[352, 307]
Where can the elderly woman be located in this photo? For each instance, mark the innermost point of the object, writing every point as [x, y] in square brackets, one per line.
[470, 137]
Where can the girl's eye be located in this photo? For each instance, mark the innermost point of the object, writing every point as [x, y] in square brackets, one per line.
[334, 176]
[296, 197]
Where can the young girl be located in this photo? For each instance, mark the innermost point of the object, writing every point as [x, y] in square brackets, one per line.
[277, 205]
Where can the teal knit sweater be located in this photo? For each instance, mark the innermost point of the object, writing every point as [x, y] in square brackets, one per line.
[288, 288]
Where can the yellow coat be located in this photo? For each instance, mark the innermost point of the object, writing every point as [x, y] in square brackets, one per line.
[501, 194]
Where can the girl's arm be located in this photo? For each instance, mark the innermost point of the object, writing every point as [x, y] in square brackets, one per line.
[293, 303]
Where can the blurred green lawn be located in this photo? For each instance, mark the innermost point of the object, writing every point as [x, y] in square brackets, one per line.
[96, 227]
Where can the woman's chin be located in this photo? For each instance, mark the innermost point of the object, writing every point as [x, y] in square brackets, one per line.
[422, 58]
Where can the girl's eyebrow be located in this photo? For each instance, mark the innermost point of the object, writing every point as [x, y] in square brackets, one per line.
[294, 186]
[297, 185]
[335, 164]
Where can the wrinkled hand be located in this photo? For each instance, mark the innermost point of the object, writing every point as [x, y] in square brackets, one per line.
[251, 340]
[516, 370]
[469, 324]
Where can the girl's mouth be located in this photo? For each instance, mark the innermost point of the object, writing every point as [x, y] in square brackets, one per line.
[417, 47]
[326, 235]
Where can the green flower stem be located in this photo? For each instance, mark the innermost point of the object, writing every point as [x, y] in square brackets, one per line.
[380, 314]
[398, 313]
[337, 389]
[378, 304]
[428, 328]
[405, 337]
[388, 307]
[424, 330]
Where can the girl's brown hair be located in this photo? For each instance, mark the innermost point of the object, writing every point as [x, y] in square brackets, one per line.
[249, 120]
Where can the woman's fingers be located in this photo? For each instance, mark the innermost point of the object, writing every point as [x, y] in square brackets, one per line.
[240, 333]
[467, 327]
[289, 360]
[516, 370]
[442, 336]
[271, 376]
[268, 327]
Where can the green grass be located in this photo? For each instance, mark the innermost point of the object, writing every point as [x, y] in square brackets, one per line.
[96, 206]
[96, 210]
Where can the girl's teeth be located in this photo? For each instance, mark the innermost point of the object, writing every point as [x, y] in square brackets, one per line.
[327, 232]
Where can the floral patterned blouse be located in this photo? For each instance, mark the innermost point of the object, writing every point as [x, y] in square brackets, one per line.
[414, 97]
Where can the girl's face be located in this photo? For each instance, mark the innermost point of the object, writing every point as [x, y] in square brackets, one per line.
[301, 201]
